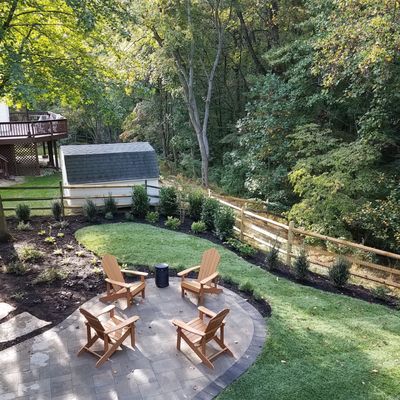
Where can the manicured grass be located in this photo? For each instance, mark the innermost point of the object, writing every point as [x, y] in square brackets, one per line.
[320, 345]
[49, 180]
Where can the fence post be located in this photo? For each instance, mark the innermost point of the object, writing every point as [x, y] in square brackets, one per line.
[145, 184]
[242, 216]
[289, 243]
[62, 199]
[4, 235]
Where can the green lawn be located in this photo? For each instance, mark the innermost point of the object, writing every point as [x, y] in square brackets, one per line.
[320, 345]
[49, 180]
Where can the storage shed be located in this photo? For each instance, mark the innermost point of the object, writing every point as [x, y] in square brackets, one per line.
[90, 171]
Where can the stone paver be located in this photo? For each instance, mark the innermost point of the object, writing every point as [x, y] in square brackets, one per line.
[5, 309]
[46, 366]
[20, 325]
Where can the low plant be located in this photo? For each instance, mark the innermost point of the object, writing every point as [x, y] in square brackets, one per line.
[90, 210]
[244, 249]
[60, 235]
[109, 216]
[196, 200]
[173, 223]
[60, 224]
[18, 296]
[50, 275]
[140, 201]
[50, 240]
[94, 261]
[272, 259]
[98, 271]
[209, 210]
[17, 268]
[58, 252]
[301, 265]
[56, 209]
[152, 217]
[110, 205]
[24, 226]
[339, 273]
[69, 247]
[168, 201]
[129, 216]
[246, 287]
[224, 223]
[23, 212]
[30, 254]
[80, 253]
[198, 227]
[42, 232]
[381, 292]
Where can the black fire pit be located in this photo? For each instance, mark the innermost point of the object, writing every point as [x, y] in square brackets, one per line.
[162, 276]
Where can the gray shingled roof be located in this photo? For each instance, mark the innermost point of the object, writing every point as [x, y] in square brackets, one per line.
[92, 163]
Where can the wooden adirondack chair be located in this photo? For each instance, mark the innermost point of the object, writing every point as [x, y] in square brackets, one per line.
[112, 332]
[206, 281]
[198, 332]
[115, 282]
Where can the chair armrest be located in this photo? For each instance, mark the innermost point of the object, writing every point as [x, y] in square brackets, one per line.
[186, 327]
[122, 325]
[138, 273]
[105, 310]
[122, 284]
[206, 311]
[209, 278]
[186, 271]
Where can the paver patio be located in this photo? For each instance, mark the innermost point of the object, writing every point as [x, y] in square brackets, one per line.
[46, 366]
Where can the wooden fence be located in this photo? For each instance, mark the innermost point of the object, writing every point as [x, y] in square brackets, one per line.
[265, 233]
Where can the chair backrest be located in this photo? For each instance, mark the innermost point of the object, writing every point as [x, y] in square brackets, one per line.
[214, 324]
[209, 263]
[112, 269]
[93, 322]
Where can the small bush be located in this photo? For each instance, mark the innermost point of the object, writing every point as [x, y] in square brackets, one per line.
[50, 275]
[129, 216]
[381, 292]
[173, 223]
[244, 249]
[140, 201]
[56, 210]
[90, 210]
[109, 216]
[168, 201]
[196, 200]
[60, 225]
[301, 266]
[198, 227]
[24, 226]
[208, 212]
[23, 212]
[272, 259]
[340, 272]
[246, 287]
[224, 223]
[42, 232]
[58, 252]
[17, 268]
[110, 206]
[60, 235]
[152, 217]
[30, 254]
[50, 240]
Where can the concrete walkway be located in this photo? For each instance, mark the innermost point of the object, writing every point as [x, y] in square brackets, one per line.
[46, 366]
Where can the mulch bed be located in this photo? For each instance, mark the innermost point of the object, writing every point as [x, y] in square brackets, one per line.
[53, 301]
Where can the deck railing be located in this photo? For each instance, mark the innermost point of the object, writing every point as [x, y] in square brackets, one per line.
[33, 129]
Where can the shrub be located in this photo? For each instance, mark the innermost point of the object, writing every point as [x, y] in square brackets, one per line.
[196, 200]
[173, 223]
[140, 201]
[381, 292]
[23, 212]
[272, 259]
[60, 235]
[109, 216]
[50, 240]
[17, 268]
[152, 217]
[50, 275]
[244, 249]
[56, 210]
[224, 223]
[60, 225]
[129, 216]
[24, 226]
[168, 201]
[42, 232]
[30, 254]
[340, 272]
[208, 212]
[90, 210]
[301, 265]
[110, 205]
[246, 287]
[198, 227]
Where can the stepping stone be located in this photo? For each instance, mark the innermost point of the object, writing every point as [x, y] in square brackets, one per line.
[20, 325]
[5, 309]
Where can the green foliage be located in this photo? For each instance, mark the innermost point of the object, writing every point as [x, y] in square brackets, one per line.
[50, 240]
[244, 249]
[56, 210]
[90, 210]
[140, 201]
[198, 227]
[381, 292]
[17, 268]
[129, 216]
[301, 265]
[173, 223]
[30, 254]
[23, 212]
[271, 261]
[109, 216]
[24, 226]
[110, 205]
[152, 217]
[209, 211]
[339, 273]
[224, 222]
[168, 201]
[50, 275]
[196, 200]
